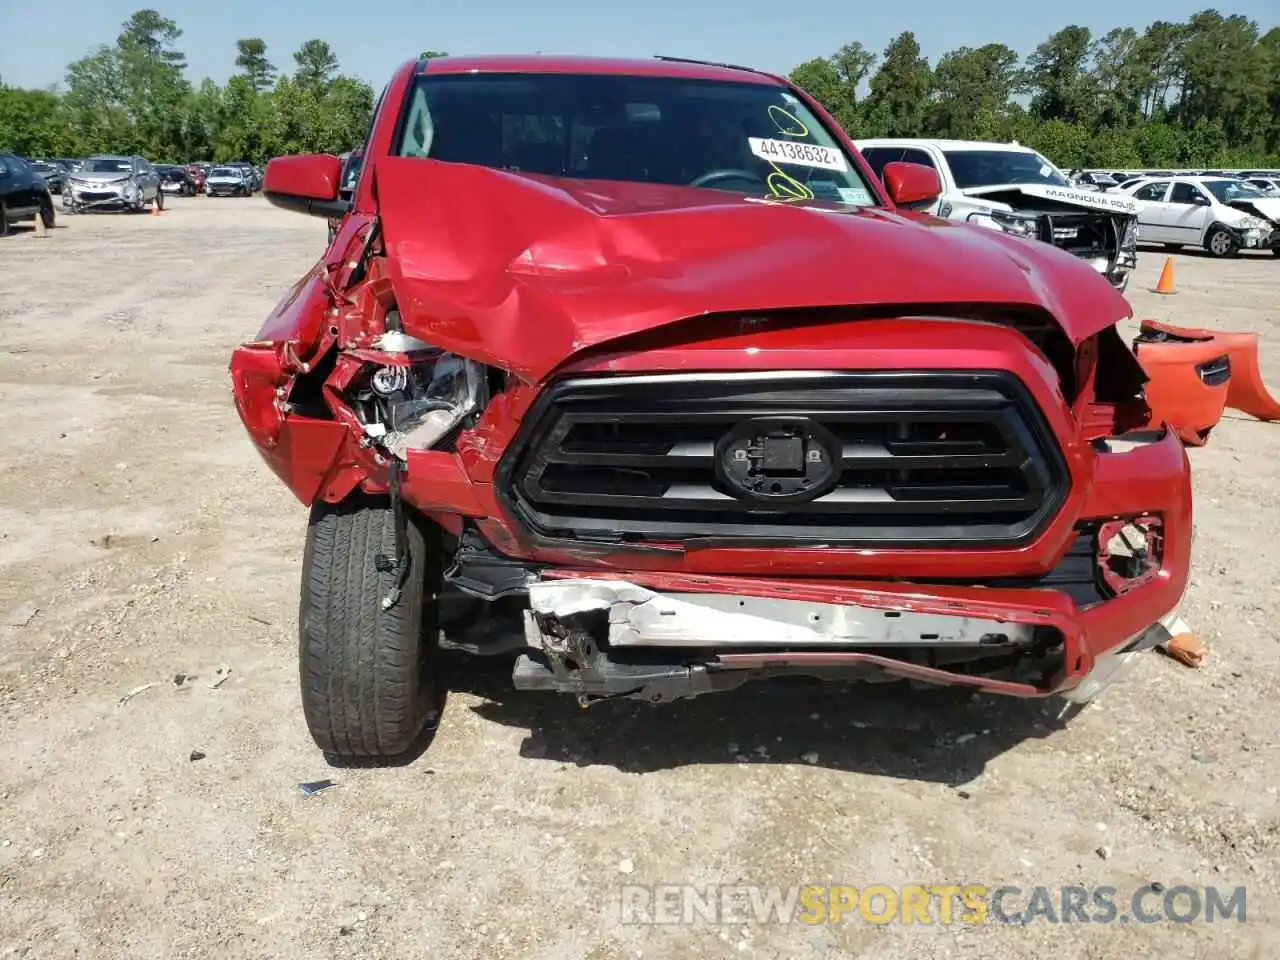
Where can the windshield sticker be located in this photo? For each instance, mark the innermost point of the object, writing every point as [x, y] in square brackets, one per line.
[855, 195]
[782, 185]
[786, 123]
[1045, 170]
[802, 154]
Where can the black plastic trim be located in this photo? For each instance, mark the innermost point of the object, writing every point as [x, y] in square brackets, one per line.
[995, 398]
[316, 208]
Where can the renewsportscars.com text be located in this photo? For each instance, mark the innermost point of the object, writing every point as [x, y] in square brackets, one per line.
[942, 904]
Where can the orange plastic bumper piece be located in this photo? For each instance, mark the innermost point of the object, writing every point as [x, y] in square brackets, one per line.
[1196, 373]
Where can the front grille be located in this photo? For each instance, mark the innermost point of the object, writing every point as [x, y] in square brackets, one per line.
[1087, 235]
[945, 459]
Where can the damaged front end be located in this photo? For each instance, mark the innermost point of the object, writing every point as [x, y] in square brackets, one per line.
[1266, 214]
[1099, 228]
[947, 493]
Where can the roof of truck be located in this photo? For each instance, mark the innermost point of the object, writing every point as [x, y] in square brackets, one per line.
[651, 67]
[944, 144]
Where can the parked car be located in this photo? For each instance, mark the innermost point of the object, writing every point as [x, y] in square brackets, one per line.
[637, 369]
[1270, 186]
[24, 194]
[175, 179]
[1013, 189]
[1097, 180]
[1223, 215]
[116, 182]
[250, 175]
[54, 175]
[227, 181]
[197, 175]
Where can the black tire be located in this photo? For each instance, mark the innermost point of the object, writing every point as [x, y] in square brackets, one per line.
[1276, 251]
[46, 214]
[1173, 247]
[1221, 243]
[4, 220]
[368, 675]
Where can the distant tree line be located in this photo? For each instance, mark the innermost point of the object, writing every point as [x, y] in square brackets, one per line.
[1201, 93]
[134, 97]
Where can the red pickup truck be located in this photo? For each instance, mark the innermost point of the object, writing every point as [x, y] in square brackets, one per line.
[636, 371]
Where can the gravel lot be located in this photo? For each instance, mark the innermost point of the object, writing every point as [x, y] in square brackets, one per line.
[135, 515]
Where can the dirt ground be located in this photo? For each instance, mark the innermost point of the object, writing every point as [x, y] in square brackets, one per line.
[139, 525]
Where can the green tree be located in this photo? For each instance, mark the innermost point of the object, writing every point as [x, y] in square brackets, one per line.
[899, 99]
[834, 81]
[1122, 77]
[251, 58]
[431, 54]
[974, 87]
[154, 87]
[33, 123]
[1225, 77]
[95, 102]
[317, 64]
[1056, 74]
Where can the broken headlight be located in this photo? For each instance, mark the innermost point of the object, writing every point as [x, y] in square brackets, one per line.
[414, 405]
[1017, 224]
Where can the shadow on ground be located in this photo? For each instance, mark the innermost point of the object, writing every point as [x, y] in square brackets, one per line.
[893, 730]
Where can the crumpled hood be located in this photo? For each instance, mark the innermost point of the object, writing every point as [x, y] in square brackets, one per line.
[1268, 207]
[114, 176]
[1090, 199]
[522, 272]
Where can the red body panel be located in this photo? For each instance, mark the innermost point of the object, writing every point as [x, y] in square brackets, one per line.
[545, 277]
[589, 262]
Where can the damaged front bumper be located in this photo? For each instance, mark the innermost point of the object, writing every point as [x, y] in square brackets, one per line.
[89, 195]
[660, 636]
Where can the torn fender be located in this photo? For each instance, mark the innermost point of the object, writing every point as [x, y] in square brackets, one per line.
[522, 272]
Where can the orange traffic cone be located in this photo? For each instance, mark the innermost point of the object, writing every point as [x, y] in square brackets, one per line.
[155, 209]
[1165, 285]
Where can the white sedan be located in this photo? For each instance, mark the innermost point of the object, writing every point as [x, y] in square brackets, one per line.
[1222, 214]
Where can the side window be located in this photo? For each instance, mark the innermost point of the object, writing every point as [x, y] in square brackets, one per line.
[1152, 191]
[1185, 193]
[918, 156]
[877, 157]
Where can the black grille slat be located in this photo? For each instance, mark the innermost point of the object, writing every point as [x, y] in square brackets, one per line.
[926, 458]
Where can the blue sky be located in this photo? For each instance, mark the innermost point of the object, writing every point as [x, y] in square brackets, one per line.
[38, 39]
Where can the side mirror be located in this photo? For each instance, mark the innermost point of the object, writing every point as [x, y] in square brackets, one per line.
[1200, 201]
[306, 183]
[911, 184]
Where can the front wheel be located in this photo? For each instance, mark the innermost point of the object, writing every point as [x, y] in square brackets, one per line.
[159, 200]
[369, 671]
[47, 216]
[1221, 242]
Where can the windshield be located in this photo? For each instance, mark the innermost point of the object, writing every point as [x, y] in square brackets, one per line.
[991, 168]
[106, 165]
[351, 173]
[41, 167]
[1228, 190]
[748, 138]
[224, 172]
